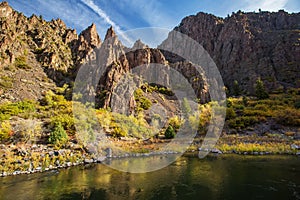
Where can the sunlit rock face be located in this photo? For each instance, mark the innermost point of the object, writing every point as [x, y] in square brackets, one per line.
[246, 46]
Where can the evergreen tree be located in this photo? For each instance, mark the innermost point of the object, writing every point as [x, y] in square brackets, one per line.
[260, 90]
[236, 88]
[170, 133]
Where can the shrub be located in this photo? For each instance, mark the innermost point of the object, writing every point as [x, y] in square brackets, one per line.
[253, 112]
[47, 100]
[28, 130]
[6, 82]
[229, 102]
[12, 109]
[175, 122]
[200, 120]
[118, 132]
[58, 136]
[166, 91]
[66, 120]
[297, 104]
[21, 62]
[5, 131]
[26, 106]
[288, 116]
[230, 113]
[123, 125]
[245, 101]
[138, 93]
[244, 121]
[169, 133]
[143, 103]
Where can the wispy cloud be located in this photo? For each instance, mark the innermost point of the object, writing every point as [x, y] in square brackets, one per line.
[269, 5]
[151, 11]
[106, 18]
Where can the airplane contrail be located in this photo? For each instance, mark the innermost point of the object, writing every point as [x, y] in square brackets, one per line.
[106, 18]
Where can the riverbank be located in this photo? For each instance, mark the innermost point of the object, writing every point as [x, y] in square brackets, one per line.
[36, 158]
[41, 136]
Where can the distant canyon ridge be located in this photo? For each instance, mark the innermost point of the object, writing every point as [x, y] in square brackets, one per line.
[36, 55]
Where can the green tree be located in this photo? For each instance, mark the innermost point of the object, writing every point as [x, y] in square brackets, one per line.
[236, 88]
[169, 133]
[58, 136]
[260, 90]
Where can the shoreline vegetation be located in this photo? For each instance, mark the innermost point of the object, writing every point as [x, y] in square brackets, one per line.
[65, 158]
[41, 136]
[40, 133]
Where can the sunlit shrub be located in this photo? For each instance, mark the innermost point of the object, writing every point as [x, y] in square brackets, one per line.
[12, 109]
[28, 131]
[288, 116]
[66, 120]
[5, 131]
[230, 113]
[130, 126]
[21, 62]
[58, 135]
[175, 122]
[244, 121]
[6, 82]
[143, 103]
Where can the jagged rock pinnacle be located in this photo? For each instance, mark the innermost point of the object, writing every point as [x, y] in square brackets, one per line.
[6, 10]
[139, 45]
[91, 35]
[110, 33]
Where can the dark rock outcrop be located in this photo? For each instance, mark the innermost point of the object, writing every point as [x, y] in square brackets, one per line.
[246, 46]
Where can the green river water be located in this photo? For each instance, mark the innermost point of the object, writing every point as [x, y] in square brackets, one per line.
[215, 177]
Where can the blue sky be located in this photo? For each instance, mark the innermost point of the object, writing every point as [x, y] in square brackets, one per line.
[131, 14]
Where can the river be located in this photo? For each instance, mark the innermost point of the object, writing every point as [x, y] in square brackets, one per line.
[231, 177]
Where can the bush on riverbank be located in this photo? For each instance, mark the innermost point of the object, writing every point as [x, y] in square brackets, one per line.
[58, 136]
[279, 107]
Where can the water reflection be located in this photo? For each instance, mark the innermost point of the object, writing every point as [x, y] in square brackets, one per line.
[222, 177]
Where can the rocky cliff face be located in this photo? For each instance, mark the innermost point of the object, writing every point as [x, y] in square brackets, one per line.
[119, 60]
[246, 46]
[37, 55]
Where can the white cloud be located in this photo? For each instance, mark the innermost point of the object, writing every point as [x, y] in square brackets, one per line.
[269, 5]
[74, 14]
[106, 18]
